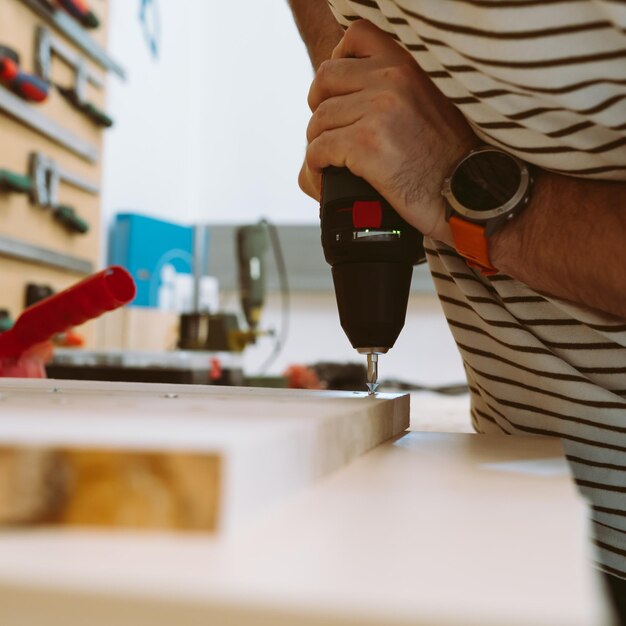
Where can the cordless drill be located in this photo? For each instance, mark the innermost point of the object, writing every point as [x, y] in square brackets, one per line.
[372, 251]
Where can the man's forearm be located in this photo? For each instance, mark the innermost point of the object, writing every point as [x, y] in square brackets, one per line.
[318, 28]
[570, 242]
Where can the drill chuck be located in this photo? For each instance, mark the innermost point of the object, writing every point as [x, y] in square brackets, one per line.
[372, 298]
[371, 250]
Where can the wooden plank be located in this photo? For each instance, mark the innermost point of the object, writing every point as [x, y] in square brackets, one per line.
[168, 456]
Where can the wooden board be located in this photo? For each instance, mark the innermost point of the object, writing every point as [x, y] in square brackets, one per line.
[168, 456]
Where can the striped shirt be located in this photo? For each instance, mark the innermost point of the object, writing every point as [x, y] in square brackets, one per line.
[546, 81]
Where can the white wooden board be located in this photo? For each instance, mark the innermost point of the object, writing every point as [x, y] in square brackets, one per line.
[218, 454]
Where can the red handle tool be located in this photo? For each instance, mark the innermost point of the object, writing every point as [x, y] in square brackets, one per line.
[28, 86]
[105, 291]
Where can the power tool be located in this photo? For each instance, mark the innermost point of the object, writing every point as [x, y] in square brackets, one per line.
[372, 251]
[252, 245]
[221, 331]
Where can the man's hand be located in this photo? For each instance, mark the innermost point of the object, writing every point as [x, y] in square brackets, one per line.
[377, 113]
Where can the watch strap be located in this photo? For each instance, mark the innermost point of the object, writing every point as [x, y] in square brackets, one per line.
[470, 242]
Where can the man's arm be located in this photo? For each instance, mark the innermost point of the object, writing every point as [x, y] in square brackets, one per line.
[318, 28]
[375, 112]
[570, 242]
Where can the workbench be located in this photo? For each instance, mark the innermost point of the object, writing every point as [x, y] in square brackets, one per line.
[425, 529]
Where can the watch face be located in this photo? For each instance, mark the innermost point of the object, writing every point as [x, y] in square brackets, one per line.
[486, 180]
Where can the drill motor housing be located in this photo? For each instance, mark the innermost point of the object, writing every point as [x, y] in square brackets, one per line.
[372, 251]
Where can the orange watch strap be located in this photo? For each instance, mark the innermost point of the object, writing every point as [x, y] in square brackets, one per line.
[471, 243]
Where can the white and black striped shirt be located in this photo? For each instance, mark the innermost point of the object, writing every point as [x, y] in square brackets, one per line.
[546, 81]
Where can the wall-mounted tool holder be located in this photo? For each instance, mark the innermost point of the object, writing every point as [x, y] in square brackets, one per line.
[34, 246]
[77, 35]
[48, 46]
[22, 251]
[46, 175]
[42, 185]
[26, 114]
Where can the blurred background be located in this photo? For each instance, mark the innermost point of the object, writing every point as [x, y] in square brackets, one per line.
[188, 179]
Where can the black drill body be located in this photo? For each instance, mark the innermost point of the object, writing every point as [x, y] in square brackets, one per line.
[372, 251]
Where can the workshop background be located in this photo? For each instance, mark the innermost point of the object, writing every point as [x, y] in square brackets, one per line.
[152, 231]
[180, 123]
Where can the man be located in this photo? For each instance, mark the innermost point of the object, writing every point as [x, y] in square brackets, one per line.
[537, 302]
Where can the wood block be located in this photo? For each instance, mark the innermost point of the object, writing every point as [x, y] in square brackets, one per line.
[138, 328]
[174, 456]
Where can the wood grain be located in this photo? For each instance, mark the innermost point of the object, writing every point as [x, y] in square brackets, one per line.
[109, 488]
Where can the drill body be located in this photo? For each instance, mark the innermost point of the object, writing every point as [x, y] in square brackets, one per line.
[372, 251]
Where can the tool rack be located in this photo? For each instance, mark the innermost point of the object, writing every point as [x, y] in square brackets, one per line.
[50, 152]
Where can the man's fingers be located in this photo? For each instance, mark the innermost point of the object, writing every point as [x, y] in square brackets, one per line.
[335, 112]
[336, 147]
[336, 78]
[310, 183]
[363, 39]
[350, 68]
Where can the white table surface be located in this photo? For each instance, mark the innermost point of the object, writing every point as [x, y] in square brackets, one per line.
[430, 529]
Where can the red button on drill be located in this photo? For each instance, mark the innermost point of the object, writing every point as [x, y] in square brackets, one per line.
[367, 214]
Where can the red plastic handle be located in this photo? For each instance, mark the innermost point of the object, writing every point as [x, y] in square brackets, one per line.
[8, 69]
[105, 291]
[28, 86]
[76, 8]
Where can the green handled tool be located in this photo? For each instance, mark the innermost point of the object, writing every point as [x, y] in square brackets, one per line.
[96, 115]
[18, 183]
[67, 216]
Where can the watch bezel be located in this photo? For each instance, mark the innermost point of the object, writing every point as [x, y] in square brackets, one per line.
[484, 216]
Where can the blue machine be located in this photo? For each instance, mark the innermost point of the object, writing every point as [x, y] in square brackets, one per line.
[155, 252]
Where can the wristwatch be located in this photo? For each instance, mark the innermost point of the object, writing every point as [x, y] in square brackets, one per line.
[487, 188]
